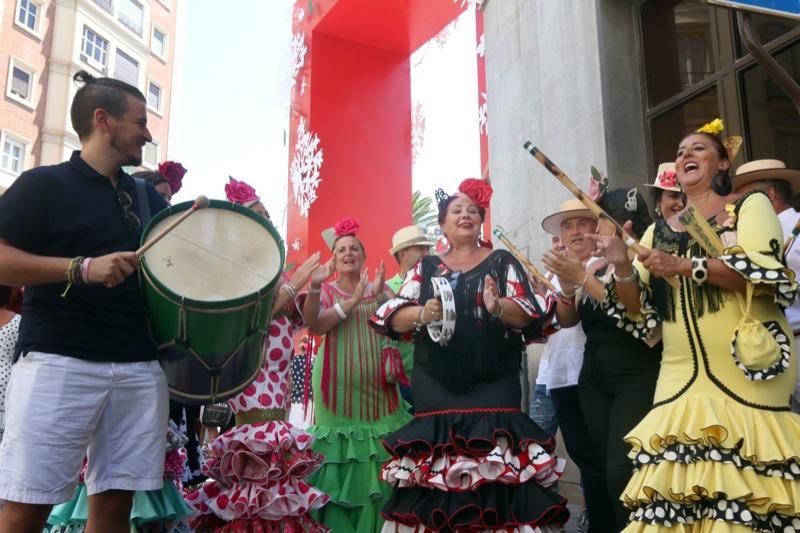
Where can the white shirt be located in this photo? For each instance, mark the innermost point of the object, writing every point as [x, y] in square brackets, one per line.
[562, 357]
[788, 220]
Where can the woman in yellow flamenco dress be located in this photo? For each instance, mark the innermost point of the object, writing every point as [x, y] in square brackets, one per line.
[720, 449]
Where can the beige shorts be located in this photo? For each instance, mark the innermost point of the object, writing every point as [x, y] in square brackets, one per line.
[61, 409]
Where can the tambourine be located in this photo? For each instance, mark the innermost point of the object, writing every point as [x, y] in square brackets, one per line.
[441, 331]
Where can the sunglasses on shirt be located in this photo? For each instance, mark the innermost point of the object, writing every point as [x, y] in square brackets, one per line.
[126, 202]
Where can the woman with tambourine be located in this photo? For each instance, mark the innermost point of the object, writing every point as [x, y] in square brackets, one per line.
[719, 450]
[470, 459]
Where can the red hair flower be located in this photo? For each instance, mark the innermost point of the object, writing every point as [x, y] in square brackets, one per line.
[239, 192]
[173, 172]
[668, 179]
[346, 227]
[479, 191]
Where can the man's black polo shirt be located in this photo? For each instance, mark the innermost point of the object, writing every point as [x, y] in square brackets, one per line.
[69, 210]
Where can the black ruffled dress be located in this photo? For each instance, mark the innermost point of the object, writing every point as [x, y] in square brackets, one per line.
[471, 460]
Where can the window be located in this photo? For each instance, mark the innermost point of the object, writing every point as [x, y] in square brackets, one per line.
[150, 156]
[94, 49]
[154, 92]
[108, 5]
[20, 84]
[159, 43]
[131, 15]
[697, 69]
[28, 15]
[13, 156]
[126, 68]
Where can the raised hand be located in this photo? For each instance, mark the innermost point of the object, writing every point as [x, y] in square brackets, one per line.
[112, 269]
[358, 292]
[380, 278]
[491, 296]
[322, 273]
[303, 273]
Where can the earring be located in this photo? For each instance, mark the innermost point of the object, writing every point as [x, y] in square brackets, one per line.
[658, 211]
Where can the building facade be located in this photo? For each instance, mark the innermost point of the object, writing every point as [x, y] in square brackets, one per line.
[616, 84]
[44, 42]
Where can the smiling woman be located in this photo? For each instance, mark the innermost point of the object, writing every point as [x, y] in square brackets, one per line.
[719, 448]
[356, 405]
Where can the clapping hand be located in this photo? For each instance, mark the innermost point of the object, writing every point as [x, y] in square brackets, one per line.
[304, 271]
[322, 273]
[380, 279]
[570, 271]
[491, 296]
[611, 247]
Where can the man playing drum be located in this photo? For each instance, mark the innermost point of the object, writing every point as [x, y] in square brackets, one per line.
[88, 381]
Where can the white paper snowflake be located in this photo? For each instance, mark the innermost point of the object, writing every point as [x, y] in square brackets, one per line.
[301, 14]
[304, 170]
[296, 244]
[481, 46]
[417, 132]
[303, 85]
[299, 50]
[483, 115]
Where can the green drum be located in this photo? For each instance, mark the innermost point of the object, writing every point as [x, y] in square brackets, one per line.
[208, 285]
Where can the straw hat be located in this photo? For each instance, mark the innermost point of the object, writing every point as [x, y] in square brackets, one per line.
[766, 169]
[666, 178]
[408, 237]
[572, 208]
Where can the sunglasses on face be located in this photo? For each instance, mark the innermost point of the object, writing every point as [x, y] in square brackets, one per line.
[126, 202]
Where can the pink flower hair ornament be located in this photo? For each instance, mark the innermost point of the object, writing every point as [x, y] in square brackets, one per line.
[346, 227]
[173, 172]
[239, 192]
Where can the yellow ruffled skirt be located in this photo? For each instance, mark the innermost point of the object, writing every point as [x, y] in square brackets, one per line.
[710, 464]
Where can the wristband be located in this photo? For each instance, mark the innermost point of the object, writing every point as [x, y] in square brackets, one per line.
[312, 290]
[85, 269]
[699, 270]
[340, 311]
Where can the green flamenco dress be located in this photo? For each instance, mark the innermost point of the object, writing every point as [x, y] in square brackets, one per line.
[356, 407]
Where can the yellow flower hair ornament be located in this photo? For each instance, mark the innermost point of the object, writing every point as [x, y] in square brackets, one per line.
[715, 127]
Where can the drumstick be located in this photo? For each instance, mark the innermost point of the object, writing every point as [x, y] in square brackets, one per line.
[201, 202]
[590, 204]
[522, 259]
[790, 240]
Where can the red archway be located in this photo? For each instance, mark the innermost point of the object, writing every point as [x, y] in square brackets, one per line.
[350, 123]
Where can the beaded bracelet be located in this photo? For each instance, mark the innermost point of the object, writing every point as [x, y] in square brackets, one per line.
[626, 279]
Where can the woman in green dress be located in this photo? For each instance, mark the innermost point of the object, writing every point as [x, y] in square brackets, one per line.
[356, 406]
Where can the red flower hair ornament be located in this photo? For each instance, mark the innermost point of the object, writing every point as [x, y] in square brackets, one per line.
[238, 192]
[346, 227]
[173, 172]
[479, 191]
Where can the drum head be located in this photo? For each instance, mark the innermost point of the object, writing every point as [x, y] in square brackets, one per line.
[218, 254]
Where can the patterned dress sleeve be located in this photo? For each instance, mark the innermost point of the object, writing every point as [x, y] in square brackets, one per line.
[643, 325]
[757, 255]
[540, 308]
[408, 294]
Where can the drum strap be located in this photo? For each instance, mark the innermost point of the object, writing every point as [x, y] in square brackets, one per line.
[142, 201]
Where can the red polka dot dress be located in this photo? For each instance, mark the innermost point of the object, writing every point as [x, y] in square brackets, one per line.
[257, 469]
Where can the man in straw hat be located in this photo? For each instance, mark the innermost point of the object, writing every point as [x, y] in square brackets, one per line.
[409, 245]
[780, 184]
[560, 367]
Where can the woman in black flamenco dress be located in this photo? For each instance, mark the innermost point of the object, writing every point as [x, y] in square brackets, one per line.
[470, 460]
